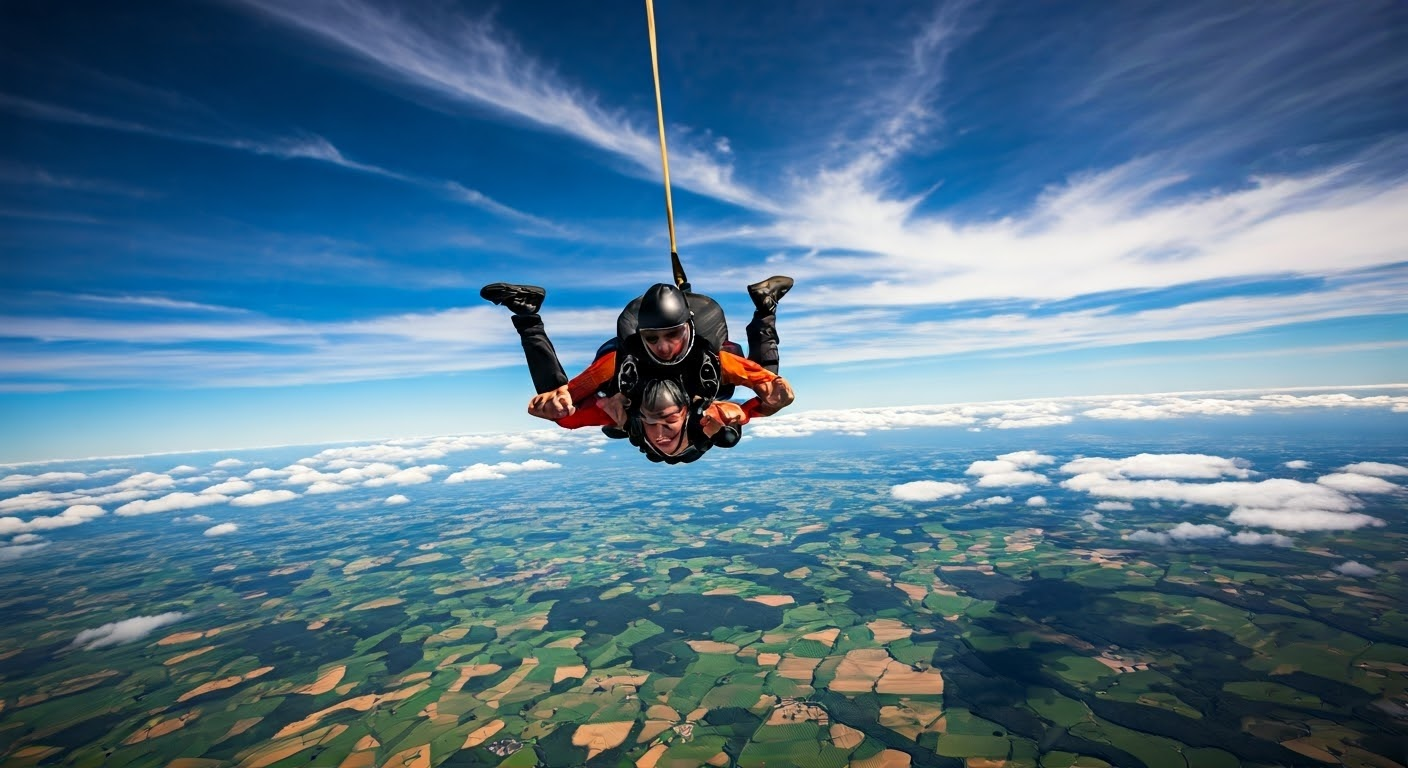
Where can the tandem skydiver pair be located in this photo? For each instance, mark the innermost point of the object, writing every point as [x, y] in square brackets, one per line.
[665, 380]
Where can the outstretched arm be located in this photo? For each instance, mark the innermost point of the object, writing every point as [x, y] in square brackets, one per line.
[773, 392]
[560, 403]
[592, 412]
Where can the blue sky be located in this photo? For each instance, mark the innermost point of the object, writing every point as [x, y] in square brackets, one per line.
[247, 223]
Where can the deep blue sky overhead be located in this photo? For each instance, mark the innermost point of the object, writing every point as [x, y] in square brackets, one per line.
[242, 223]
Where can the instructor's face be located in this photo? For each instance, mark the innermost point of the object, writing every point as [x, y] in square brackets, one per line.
[667, 343]
[665, 429]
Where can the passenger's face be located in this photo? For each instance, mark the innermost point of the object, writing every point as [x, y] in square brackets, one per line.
[664, 429]
[666, 343]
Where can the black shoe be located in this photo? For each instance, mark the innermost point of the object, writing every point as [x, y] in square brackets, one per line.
[522, 299]
[615, 433]
[766, 294]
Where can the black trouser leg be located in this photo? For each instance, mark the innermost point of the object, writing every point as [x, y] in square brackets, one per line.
[762, 341]
[542, 356]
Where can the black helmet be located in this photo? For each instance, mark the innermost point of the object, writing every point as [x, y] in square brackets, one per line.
[662, 306]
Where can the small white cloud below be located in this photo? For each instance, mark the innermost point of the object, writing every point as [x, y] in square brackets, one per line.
[326, 486]
[228, 463]
[927, 490]
[1356, 569]
[500, 470]
[171, 502]
[1115, 506]
[991, 501]
[1353, 482]
[184, 469]
[192, 519]
[262, 498]
[1037, 501]
[15, 482]
[1297, 464]
[14, 551]
[222, 529]
[1179, 533]
[1302, 519]
[1094, 518]
[1187, 466]
[397, 500]
[230, 487]
[77, 514]
[410, 476]
[149, 481]
[1376, 468]
[125, 631]
[1254, 537]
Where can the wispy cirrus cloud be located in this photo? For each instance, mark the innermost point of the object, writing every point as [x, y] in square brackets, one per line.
[259, 350]
[297, 147]
[470, 62]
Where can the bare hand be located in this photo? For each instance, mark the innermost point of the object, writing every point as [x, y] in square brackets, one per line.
[552, 405]
[615, 407]
[775, 395]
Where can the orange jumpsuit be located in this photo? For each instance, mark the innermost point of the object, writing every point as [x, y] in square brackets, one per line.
[735, 370]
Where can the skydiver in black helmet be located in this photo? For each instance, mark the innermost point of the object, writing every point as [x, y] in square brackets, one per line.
[663, 382]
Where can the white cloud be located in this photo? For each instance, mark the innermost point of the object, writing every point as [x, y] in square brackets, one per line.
[927, 490]
[150, 481]
[1265, 494]
[1356, 569]
[1094, 519]
[1027, 458]
[1376, 468]
[1115, 506]
[1285, 519]
[77, 514]
[27, 538]
[265, 473]
[1253, 537]
[228, 463]
[1010, 479]
[1297, 464]
[1009, 470]
[16, 551]
[261, 498]
[230, 487]
[1170, 465]
[221, 529]
[397, 500]
[326, 486]
[467, 62]
[499, 471]
[409, 476]
[125, 631]
[1036, 501]
[170, 503]
[1179, 533]
[14, 482]
[991, 501]
[1032, 413]
[1350, 482]
[183, 469]
[192, 519]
